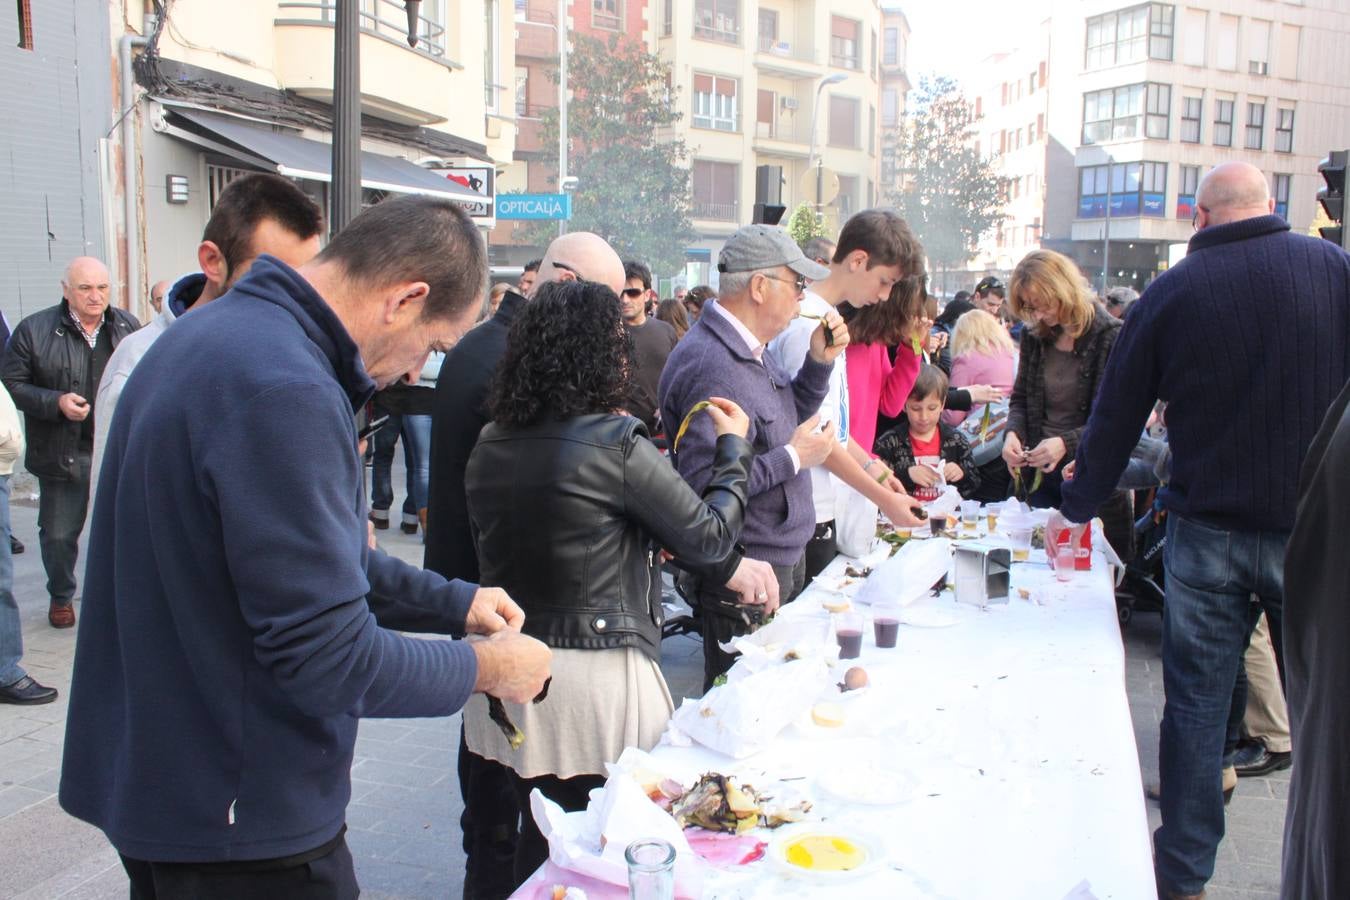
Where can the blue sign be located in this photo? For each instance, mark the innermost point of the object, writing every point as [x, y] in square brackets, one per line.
[534, 206]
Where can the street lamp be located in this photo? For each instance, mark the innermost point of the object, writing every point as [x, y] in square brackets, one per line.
[815, 112]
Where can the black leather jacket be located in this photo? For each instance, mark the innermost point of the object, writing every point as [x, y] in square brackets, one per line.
[570, 518]
[47, 357]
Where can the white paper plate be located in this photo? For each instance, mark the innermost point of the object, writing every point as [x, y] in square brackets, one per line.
[871, 846]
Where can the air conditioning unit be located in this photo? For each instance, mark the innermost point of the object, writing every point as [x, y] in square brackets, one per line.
[1255, 67]
[789, 103]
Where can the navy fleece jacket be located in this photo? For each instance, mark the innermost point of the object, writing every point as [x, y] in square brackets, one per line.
[229, 638]
[1248, 341]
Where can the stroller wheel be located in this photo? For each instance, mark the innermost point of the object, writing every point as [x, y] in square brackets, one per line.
[1125, 613]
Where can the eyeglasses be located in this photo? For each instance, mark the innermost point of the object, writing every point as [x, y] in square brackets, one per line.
[633, 293]
[1195, 217]
[800, 282]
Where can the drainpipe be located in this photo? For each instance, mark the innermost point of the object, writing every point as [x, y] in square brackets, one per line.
[129, 182]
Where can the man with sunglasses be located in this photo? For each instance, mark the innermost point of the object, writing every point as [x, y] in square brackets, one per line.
[652, 342]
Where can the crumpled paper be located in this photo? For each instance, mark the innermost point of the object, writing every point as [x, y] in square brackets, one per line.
[742, 717]
[799, 637]
[909, 574]
[593, 842]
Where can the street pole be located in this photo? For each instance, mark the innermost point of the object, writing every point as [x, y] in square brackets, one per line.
[562, 105]
[345, 188]
[1106, 240]
[811, 157]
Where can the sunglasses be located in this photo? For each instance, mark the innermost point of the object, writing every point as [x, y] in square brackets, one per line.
[633, 293]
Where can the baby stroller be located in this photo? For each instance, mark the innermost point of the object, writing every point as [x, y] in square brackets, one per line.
[1141, 589]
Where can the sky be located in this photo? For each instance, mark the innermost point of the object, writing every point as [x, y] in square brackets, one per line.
[948, 36]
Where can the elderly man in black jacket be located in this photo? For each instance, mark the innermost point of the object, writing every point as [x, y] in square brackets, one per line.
[52, 368]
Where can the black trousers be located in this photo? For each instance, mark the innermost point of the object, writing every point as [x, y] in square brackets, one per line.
[720, 613]
[324, 873]
[62, 506]
[572, 794]
[491, 825]
[821, 550]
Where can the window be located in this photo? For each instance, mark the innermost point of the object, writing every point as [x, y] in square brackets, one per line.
[766, 113]
[1135, 110]
[844, 40]
[668, 18]
[607, 14]
[1130, 189]
[843, 121]
[715, 190]
[1288, 53]
[1194, 27]
[1190, 119]
[1226, 56]
[890, 107]
[1129, 35]
[718, 20]
[1190, 181]
[1223, 123]
[522, 91]
[1157, 124]
[25, 25]
[715, 103]
[1258, 47]
[872, 52]
[847, 201]
[768, 29]
[1284, 131]
[871, 129]
[890, 48]
[490, 79]
[1256, 124]
[1282, 182]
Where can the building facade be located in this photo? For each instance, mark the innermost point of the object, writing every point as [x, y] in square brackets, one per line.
[1141, 99]
[223, 89]
[895, 88]
[53, 153]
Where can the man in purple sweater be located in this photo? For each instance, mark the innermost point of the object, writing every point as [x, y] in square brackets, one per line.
[1248, 340]
[763, 276]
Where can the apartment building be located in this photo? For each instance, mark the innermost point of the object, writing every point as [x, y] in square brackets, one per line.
[1141, 99]
[754, 75]
[895, 88]
[222, 89]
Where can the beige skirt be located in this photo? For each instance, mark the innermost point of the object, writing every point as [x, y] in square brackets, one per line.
[600, 702]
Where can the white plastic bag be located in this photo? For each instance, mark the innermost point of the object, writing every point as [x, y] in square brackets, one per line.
[909, 574]
[855, 521]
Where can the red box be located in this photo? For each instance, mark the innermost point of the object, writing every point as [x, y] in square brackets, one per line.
[1082, 554]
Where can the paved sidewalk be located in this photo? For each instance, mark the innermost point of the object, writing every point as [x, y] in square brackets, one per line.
[404, 815]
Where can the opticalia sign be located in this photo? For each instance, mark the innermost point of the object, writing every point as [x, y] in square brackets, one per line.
[534, 206]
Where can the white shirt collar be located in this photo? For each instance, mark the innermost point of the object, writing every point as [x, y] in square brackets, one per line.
[752, 343]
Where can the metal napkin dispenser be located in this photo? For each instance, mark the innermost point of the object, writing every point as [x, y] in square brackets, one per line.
[982, 575]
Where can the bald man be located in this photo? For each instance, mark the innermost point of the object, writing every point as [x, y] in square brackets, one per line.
[52, 368]
[158, 291]
[1248, 340]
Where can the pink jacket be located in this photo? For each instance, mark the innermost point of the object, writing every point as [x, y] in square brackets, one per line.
[874, 385]
[998, 370]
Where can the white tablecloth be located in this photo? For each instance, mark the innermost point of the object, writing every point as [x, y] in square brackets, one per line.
[1015, 724]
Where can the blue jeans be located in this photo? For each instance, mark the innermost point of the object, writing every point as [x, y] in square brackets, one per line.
[1208, 617]
[416, 434]
[11, 629]
[62, 507]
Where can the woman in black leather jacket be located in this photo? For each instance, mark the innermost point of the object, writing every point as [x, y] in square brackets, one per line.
[571, 506]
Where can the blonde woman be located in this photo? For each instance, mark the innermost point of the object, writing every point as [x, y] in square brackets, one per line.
[982, 353]
[1064, 349]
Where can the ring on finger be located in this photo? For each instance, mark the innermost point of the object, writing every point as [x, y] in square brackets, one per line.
[762, 595]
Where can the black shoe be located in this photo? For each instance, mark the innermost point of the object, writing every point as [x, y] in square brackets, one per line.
[1254, 759]
[27, 692]
[15, 545]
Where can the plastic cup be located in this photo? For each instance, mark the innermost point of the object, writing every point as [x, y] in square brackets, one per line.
[970, 515]
[1065, 560]
[886, 625]
[848, 631]
[1020, 539]
[991, 512]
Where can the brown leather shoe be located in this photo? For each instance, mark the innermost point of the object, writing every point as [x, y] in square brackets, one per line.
[61, 615]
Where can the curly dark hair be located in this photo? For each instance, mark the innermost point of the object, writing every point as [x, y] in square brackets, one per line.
[567, 355]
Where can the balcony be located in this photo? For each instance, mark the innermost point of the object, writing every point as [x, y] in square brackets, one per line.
[730, 125]
[788, 137]
[717, 212]
[723, 29]
[409, 85]
[785, 59]
[537, 36]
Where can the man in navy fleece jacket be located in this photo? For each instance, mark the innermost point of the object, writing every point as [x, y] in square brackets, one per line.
[1248, 340]
[235, 621]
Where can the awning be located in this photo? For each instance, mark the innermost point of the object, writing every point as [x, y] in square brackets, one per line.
[297, 157]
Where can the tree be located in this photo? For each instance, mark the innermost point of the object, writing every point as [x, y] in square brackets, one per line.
[949, 196]
[804, 224]
[633, 187]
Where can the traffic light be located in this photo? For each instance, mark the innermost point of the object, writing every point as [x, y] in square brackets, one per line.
[1332, 197]
[769, 208]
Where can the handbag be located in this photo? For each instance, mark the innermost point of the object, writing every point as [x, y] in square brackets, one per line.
[984, 431]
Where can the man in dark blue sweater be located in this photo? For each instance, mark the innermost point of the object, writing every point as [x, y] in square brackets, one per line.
[1248, 341]
[230, 639]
